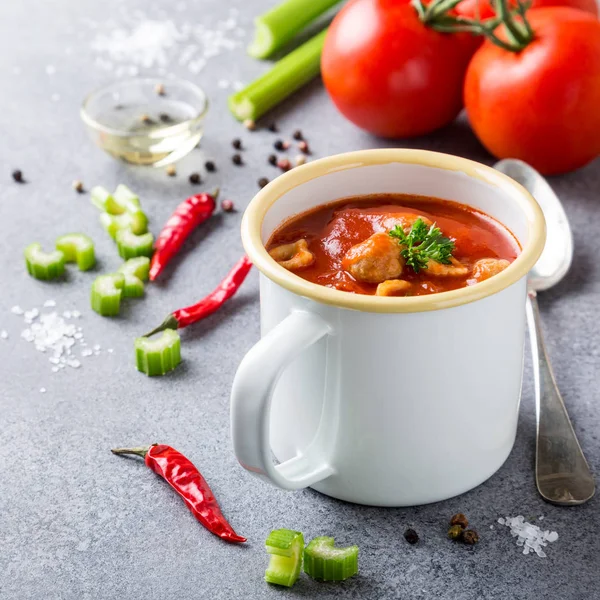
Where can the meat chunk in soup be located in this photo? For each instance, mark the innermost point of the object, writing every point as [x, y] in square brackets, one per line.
[293, 256]
[487, 267]
[393, 287]
[375, 260]
[454, 269]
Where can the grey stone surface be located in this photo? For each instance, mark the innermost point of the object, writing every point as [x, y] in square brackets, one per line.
[79, 523]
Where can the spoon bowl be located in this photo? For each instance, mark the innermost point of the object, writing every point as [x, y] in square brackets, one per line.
[557, 256]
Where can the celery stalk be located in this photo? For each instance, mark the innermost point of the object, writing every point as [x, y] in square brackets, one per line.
[279, 25]
[285, 547]
[159, 356]
[79, 248]
[126, 199]
[131, 245]
[323, 561]
[44, 265]
[290, 73]
[101, 198]
[136, 272]
[106, 294]
[138, 267]
[137, 223]
[133, 287]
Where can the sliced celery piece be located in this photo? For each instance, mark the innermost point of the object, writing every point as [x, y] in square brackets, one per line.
[323, 561]
[101, 198]
[114, 223]
[137, 223]
[126, 199]
[279, 25]
[79, 248]
[289, 74]
[285, 547]
[123, 200]
[158, 356]
[136, 272]
[44, 265]
[106, 294]
[131, 245]
[121, 210]
[139, 267]
[133, 288]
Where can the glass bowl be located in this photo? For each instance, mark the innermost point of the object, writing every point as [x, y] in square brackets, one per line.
[146, 121]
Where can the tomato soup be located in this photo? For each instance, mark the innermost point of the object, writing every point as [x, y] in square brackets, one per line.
[393, 245]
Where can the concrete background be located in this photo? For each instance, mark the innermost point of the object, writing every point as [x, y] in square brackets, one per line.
[77, 522]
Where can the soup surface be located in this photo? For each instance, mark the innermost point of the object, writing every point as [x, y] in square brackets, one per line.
[393, 245]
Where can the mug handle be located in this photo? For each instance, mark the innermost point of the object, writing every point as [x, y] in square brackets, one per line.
[251, 396]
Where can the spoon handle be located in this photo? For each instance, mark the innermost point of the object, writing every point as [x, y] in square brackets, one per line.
[561, 471]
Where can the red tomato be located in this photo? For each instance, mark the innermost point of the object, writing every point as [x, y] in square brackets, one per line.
[470, 8]
[542, 104]
[390, 74]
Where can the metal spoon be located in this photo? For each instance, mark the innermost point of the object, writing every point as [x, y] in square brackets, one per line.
[561, 471]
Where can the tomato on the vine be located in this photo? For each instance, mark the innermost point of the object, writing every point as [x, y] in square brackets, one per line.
[484, 9]
[540, 103]
[391, 73]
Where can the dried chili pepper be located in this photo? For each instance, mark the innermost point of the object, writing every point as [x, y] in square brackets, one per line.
[209, 304]
[186, 480]
[187, 216]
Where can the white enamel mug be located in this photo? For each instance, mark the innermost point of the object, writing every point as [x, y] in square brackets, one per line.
[375, 400]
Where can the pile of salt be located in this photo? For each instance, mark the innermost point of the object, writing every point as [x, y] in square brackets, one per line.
[529, 536]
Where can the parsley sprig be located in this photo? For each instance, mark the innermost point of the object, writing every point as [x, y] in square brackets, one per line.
[422, 244]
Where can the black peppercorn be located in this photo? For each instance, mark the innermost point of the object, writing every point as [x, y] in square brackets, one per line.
[17, 175]
[272, 127]
[470, 537]
[262, 182]
[237, 144]
[455, 532]
[195, 178]
[459, 519]
[237, 159]
[297, 135]
[164, 117]
[279, 145]
[411, 536]
[272, 159]
[210, 166]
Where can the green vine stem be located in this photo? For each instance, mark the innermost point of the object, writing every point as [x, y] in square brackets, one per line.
[520, 34]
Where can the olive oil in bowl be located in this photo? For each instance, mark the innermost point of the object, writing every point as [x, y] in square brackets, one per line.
[146, 122]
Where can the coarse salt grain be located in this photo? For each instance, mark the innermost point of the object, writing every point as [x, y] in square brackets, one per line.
[4, 334]
[155, 42]
[42, 390]
[51, 334]
[530, 537]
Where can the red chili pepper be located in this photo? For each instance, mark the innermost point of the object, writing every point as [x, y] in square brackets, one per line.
[211, 303]
[187, 481]
[187, 216]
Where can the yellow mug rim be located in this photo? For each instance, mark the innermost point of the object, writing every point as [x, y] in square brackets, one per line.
[262, 202]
